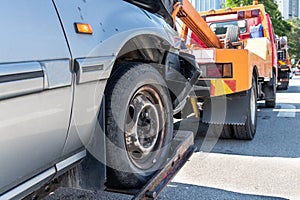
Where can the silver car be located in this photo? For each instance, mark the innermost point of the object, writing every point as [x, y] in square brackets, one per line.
[73, 71]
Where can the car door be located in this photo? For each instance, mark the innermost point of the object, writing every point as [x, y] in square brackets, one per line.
[35, 90]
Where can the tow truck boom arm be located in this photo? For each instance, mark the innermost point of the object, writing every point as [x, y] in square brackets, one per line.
[192, 19]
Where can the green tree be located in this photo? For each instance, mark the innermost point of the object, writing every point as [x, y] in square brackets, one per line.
[280, 26]
[235, 3]
[293, 39]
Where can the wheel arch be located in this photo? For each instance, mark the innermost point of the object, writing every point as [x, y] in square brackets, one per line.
[160, 54]
[144, 48]
[176, 68]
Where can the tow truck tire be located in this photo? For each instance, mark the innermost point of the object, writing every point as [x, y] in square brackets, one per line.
[226, 132]
[222, 131]
[139, 125]
[270, 104]
[232, 34]
[286, 84]
[247, 131]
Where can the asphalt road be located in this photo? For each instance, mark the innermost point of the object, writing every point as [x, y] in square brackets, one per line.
[268, 167]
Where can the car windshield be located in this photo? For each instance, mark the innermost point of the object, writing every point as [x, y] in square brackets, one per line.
[221, 27]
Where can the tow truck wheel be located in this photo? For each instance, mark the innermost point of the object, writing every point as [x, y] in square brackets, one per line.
[270, 104]
[247, 131]
[232, 35]
[286, 84]
[139, 125]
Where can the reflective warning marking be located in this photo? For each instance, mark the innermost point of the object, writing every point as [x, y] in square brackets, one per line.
[222, 87]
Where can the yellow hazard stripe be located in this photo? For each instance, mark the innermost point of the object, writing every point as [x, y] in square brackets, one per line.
[219, 87]
[281, 62]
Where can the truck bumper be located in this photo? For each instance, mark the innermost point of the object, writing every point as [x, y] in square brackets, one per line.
[283, 74]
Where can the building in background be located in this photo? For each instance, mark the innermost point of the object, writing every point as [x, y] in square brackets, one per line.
[293, 8]
[203, 5]
[289, 8]
[283, 7]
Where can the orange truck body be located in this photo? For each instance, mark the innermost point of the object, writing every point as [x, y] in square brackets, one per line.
[257, 55]
[244, 62]
[236, 51]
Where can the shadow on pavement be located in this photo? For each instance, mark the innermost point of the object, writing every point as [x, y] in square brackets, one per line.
[77, 194]
[193, 192]
[275, 137]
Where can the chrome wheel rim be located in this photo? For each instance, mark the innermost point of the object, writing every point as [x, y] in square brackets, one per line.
[144, 127]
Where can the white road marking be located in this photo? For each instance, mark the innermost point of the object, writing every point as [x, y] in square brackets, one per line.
[267, 176]
[287, 110]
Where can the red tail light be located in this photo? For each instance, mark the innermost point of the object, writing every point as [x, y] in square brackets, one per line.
[255, 13]
[248, 14]
[241, 14]
[217, 70]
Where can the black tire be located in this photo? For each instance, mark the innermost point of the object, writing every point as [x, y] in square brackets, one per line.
[139, 125]
[286, 85]
[227, 132]
[270, 103]
[270, 92]
[222, 131]
[232, 34]
[247, 131]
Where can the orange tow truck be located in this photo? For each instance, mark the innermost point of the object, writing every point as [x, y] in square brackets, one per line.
[236, 51]
[284, 63]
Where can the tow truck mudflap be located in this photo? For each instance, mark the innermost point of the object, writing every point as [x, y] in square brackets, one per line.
[182, 148]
